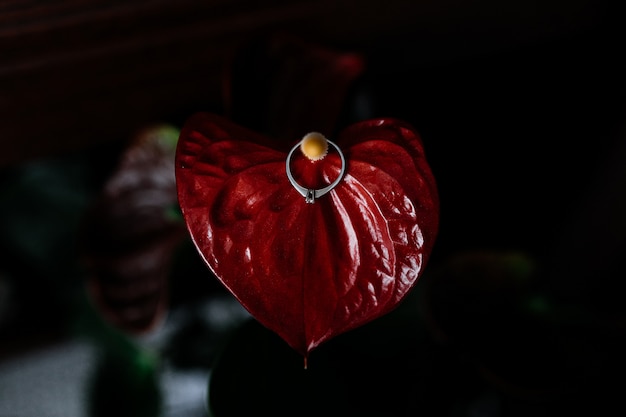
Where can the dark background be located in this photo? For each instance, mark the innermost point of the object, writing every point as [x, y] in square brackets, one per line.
[521, 106]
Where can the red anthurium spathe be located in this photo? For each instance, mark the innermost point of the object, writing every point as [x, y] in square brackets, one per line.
[309, 271]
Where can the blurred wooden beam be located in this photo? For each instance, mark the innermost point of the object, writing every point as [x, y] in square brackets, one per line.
[77, 73]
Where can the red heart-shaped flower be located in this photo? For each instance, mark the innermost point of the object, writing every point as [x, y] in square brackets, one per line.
[309, 272]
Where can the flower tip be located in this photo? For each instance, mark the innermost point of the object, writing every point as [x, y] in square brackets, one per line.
[314, 146]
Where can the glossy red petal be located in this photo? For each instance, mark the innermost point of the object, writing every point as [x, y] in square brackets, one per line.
[309, 272]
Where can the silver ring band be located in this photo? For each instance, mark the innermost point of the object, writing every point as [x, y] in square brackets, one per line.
[310, 194]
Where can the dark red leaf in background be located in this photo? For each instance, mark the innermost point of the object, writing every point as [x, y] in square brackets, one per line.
[130, 233]
[284, 87]
[309, 272]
